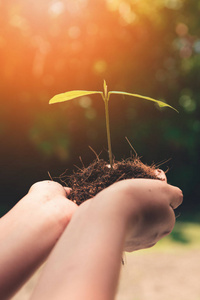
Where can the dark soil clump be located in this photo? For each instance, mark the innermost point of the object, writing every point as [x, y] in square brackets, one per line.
[87, 182]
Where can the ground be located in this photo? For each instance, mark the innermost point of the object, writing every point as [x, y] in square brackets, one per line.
[170, 270]
[157, 276]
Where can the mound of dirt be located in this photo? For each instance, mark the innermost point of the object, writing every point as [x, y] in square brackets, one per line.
[87, 182]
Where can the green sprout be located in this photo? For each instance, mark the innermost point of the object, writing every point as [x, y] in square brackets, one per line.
[106, 96]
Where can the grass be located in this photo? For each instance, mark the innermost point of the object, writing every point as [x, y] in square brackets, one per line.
[185, 236]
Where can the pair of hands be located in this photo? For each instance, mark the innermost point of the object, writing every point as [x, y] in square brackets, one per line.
[146, 206]
[129, 215]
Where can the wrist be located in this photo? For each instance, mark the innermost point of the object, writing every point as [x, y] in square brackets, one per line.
[122, 201]
[120, 205]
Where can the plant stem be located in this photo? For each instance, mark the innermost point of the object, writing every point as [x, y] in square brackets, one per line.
[108, 130]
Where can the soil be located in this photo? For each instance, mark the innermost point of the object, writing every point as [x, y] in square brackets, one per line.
[87, 182]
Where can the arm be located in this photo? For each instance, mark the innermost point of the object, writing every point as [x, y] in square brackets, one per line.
[29, 231]
[85, 263]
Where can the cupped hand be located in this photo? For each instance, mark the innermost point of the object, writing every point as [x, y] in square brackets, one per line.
[155, 213]
[29, 231]
[51, 197]
[147, 206]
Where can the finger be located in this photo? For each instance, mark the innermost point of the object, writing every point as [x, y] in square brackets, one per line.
[161, 174]
[49, 189]
[177, 197]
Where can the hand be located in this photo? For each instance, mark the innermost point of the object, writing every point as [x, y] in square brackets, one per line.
[46, 204]
[147, 206]
[50, 198]
[29, 231]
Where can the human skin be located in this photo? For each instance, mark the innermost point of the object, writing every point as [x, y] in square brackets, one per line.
[29, 231]
[130, 215]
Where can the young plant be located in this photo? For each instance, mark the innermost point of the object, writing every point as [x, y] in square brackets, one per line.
[106, 96]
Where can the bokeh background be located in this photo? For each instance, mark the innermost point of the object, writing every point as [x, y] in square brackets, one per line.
[140, 46]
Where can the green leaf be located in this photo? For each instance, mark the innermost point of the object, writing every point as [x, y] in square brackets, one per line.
[71, 95]
[160, 103]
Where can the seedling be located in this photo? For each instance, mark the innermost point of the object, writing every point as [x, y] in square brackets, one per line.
[106, 96]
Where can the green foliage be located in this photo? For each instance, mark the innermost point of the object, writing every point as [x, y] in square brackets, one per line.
[106, 96]
[184, 236]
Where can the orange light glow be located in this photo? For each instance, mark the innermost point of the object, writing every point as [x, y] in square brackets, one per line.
[54, 46]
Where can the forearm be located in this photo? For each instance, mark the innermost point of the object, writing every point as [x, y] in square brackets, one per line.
[27, 233]
[85, 263]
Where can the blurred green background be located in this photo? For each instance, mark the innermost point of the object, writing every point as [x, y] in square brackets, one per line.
[138, 46]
